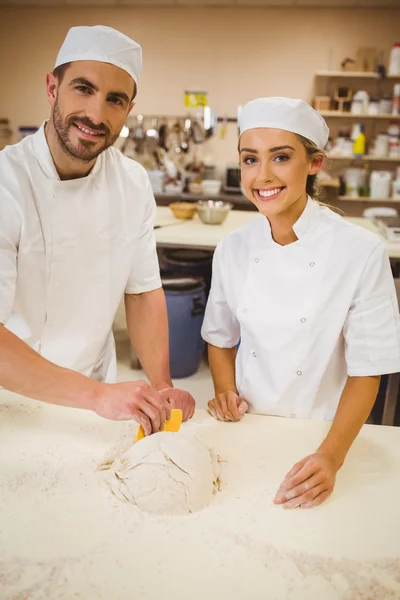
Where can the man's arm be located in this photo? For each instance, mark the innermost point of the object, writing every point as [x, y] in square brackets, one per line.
[312, 479]
[24, 371]
[147, 320]
[146, 317]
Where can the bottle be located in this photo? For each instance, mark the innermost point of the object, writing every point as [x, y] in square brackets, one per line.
[359, 143]
[396, 99]
[394, 63]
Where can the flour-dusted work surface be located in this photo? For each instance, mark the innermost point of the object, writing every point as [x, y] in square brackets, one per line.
[64, 535]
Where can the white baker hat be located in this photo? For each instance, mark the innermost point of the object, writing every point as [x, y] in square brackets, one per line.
[103, 44]
[285, 113]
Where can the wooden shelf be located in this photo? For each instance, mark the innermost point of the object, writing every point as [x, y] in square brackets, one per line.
[353, 75]
[364, 158]
[348, 115]
[365, 199]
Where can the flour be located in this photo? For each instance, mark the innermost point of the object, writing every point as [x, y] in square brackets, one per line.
[166, 473]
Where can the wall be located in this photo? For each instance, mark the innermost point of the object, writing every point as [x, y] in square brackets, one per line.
[235, 54]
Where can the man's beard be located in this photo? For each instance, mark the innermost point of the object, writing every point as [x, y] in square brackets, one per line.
[82, 151]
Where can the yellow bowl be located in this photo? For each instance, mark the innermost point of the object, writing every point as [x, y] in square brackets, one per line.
[183, 210]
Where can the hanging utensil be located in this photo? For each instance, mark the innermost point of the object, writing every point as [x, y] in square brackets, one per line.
[224, 128]
[163, 135]
[198, 134]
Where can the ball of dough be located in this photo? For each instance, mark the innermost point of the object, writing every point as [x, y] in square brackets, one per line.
[166, 473]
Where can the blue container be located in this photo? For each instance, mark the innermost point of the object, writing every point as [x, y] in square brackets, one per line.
[186, 301]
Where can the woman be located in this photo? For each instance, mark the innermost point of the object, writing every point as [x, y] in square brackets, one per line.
[306, 297]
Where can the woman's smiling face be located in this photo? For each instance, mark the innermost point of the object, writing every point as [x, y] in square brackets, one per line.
[274, 168]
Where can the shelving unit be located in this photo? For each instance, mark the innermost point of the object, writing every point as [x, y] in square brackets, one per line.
[365, 158]
[326, 83]
[365, 199]
[354, 75]
[348, 115]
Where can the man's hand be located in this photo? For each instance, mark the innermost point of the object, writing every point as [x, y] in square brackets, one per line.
[135, 400]
[180, 399]
[228, 407]
[309, 482]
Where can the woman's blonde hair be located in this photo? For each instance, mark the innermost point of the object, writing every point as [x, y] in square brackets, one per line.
[313, 188]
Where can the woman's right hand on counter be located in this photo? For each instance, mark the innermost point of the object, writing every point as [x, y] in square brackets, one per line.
[135, 400]
[228, 406]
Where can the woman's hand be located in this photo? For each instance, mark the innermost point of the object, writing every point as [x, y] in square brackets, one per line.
[309, 482]
[227, 407]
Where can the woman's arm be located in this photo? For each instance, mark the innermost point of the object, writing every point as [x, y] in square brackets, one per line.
[312, 479]
[222, 366]
[226, 405]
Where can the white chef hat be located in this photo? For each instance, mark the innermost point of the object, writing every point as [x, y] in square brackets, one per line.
[285, 113]
[103, 44]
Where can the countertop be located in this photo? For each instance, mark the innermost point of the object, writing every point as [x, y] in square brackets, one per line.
[172, 232]
[64, 536]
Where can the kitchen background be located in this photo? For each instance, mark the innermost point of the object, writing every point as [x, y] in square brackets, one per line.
[233, 50]
[339, 55]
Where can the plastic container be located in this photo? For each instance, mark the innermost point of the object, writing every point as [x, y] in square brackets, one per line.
[396, 189]
[385, 105]
[394, 62]
[373, 107]
[359, 143]
[381, 145]
[212, 186]
[157, 181]
[354, 179]
[393, 128]
[380, 185]
[188, 262]
[186, 300]
[396, 99]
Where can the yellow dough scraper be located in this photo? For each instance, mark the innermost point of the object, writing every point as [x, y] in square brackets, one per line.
[173, 424]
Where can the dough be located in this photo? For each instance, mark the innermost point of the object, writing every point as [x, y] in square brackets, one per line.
[166, 473]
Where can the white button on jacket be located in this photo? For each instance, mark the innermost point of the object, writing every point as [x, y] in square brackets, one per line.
[309, 327]
[70, 249]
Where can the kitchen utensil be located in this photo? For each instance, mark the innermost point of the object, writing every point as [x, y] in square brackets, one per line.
[213, 212]
[173, 424]
[163, 135]
[183, 210]
[198, 134]
[139, 133]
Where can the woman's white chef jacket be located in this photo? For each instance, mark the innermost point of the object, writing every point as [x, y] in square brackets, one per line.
[69, 250]
[307, 314]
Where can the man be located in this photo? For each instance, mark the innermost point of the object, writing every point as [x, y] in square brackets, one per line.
[76, 232]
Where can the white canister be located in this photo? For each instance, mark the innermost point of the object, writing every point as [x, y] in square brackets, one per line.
[373, 107]
[354, 179]
[394, 62]
[385, 105]
[381, 147]
[380, 185]
[396, 189]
